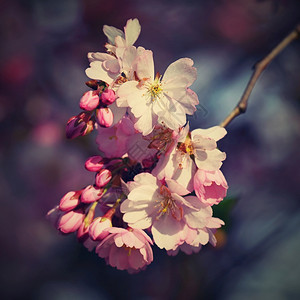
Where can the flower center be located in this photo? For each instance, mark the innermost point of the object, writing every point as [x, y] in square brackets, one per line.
[168, 205]
[160, 139]
[154, 89]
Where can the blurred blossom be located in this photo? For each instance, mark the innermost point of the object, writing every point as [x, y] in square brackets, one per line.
[47, 134]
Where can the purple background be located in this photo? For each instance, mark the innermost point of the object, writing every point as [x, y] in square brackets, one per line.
[43, 51]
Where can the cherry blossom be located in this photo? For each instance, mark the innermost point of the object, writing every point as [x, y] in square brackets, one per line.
[159, 100]
[210, 186]
[152, 204]
[152, 175]
[126, 249]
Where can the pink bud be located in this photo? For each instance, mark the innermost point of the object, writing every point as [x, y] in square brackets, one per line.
[97, 228]
[91, 194]
[70, 221]
[94, 163]
[103, 177]
[69, 201]
[89, 101]
[108, 97]
[74, 128]
[105, 116]
[79, 125]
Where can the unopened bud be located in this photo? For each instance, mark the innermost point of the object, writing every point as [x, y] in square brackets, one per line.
[103, 177]
[97, 228]
[91, 194]
[93, 84]
[108, 97]
[79, 125]
[70, 221]
[89, 101]
[105, 116]
[94, 163]
[69, 201]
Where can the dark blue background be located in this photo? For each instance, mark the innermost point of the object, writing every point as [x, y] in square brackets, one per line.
[42, 61]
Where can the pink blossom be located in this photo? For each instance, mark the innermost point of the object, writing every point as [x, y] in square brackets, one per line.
[94, 163]
[153, 204]
[103, 178]
[113, 141]
[108, 97]
[91, 194]
[105, 116]
[155, 100]
[204, 147]
[89, 101]
[177, 165]
[210, 186]
[200, 224]
[131, 33]
[97, 230]
[69, 201]
[138, 149]
[117, 66]
[126, 249]
[70, 221]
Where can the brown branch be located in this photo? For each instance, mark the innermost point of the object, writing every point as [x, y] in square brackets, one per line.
[241, 107]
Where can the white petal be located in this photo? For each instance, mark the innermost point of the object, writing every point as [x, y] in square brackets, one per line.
[132, 31]
[111, 33]
[129, 93]
[145, 65]
[169, 112]
[166, 232]
[203, 143]
[128, 58]
[215, 133]
[212, 161]
[97, 72]
[146, 122]
[92, 56]
[180, 73]
[145, 178]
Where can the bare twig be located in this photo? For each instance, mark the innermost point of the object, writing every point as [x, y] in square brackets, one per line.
[259, 67]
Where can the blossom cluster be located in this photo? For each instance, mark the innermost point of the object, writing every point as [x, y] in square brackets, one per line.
[155, 180]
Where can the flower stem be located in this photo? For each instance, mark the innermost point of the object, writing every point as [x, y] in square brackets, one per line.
[241, 107]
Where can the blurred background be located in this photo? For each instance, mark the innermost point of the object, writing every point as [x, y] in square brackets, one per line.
[43, 51]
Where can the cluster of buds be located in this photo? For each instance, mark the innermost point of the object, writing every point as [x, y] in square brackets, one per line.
[156, 180]
[95, 104]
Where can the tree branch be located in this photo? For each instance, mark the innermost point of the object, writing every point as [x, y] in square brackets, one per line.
[241, 107]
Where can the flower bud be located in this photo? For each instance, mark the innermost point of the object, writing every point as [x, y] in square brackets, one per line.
[94, 163]
[91, 194]
[105, 116]
[103, 177]
[70, 221]
[79, 125]
[89, 101]
[108, 97]
[97, 228]
[74, 128]
[69, 201]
